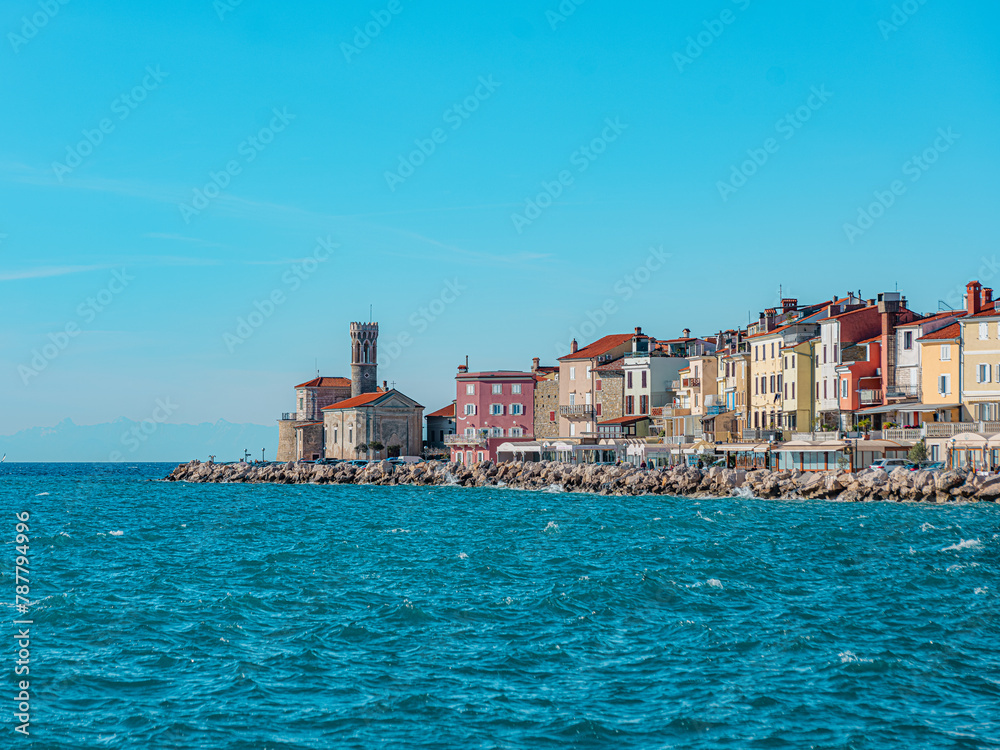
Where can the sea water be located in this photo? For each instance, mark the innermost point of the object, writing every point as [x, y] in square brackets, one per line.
[256, 616]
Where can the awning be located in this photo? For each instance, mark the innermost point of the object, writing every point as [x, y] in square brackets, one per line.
[742, 447]
[890, 408]
[969, 440]
[811, 446]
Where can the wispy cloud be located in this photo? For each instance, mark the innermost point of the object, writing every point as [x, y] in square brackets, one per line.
[45, 272]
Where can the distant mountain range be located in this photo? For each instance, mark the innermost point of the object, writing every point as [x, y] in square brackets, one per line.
[128, 441]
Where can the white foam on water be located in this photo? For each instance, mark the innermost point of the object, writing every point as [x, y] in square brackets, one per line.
[462, 556]
[929, 527]
[116, 533]
[398, 531]
[554, 488]
[964, 544]
[41, 494]
[849, 657]
[912, 551]
[980, 590]
[715, 583]
[551, 526]
[744, 492]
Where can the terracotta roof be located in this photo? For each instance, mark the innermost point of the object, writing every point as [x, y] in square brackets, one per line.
[363, 399]
[614, 365]
[947, 333]
[448, 411]
[326, 383]
[512, 374]
[599, 347]
[928, 319]
[990, 311]
[624, 420]
[872, 340]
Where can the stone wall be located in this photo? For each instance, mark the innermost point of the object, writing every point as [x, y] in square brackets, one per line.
[286, 440]
[546, 401]
[611, 397]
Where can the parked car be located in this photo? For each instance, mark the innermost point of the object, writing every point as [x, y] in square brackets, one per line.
[933, 465]
[359, 462]
[888, 464]
[328, 461]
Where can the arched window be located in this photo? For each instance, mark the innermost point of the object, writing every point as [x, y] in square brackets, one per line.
[368, 354]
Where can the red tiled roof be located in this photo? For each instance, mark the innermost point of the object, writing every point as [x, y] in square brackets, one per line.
[927, 319]
[614, 365]
[624, 420]
[990, 311]
[872, 340]
[512, 374]
[947, 333]
[363, 399]
[599, 347]
[326, 383]
[448, 411]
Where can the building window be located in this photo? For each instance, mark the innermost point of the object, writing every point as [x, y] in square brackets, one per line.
[984, 331]
[496, 431]
[793, 360]
[629, 379]
[599, 410]
[983, 374]
[470, 432]
[696, 401]
[572, 373]
[944, 385]
[793, 390]
[772, 350]
[824, 354]
[755, 357]
[907, 339]
[644, 404]
[630, 405]
[644, 378]
[350, 436]
[946, 352]
[496, 410]
[785, 391]
[589, 369]
[516, 409]
[755, 389]
[843, 388]
[824, 389]
[572, 399]
[599, 384]
[552, 416]
[516, 389]
[479, 456]
[470, 409]
[516, 432]
[470, 390]
[334, 435]
[497, 389]
[772, 384]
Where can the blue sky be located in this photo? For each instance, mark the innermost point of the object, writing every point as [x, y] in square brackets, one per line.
[437, 253]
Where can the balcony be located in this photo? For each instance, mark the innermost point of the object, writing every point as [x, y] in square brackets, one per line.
[479, 440]
[870, 398]
[289, 417]
[950, 429]
[577, 410]
[761, 436]
[904, 391]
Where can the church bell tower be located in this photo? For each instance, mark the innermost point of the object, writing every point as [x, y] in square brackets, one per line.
[364, 358]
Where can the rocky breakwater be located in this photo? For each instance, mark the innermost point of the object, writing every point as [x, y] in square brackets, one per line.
[868, 485]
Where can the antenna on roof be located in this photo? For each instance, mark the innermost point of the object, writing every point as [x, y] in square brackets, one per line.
[371, 313]
[317, 367]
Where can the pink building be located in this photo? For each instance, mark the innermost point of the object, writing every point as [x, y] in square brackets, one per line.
[492, 408]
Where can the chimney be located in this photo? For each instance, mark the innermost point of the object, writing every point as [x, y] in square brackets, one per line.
[987, 297]
[973, 297]
[789, 304]
[462, 369]
[536, 362]
[638, 330]
[574, 347]
[769, 314]
[385, 386]
[686, 333]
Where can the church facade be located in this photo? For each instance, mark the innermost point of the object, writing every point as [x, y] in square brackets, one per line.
[347, 419]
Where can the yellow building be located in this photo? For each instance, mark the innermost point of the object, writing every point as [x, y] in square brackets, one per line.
[798, 378]
[980, 356]
[765, 380]
[941, 370]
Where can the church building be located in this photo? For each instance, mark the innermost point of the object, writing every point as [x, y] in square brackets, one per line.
[344, 419]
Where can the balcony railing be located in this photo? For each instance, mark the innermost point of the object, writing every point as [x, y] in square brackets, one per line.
[286, 417]
[950, 429]
[762, 436]
[465, 439]
[577, 410]
[903, 391]
[869, 398]
[908, 434]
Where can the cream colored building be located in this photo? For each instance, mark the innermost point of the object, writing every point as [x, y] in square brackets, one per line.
[797, 386]
[577, 382]
[941, 371]
[980, 356]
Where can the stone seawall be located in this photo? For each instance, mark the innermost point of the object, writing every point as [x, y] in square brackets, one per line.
[868, 485]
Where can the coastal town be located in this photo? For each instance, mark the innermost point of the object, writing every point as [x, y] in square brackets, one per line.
[835, 384]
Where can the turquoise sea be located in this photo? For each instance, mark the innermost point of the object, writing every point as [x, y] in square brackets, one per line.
[252, 616]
